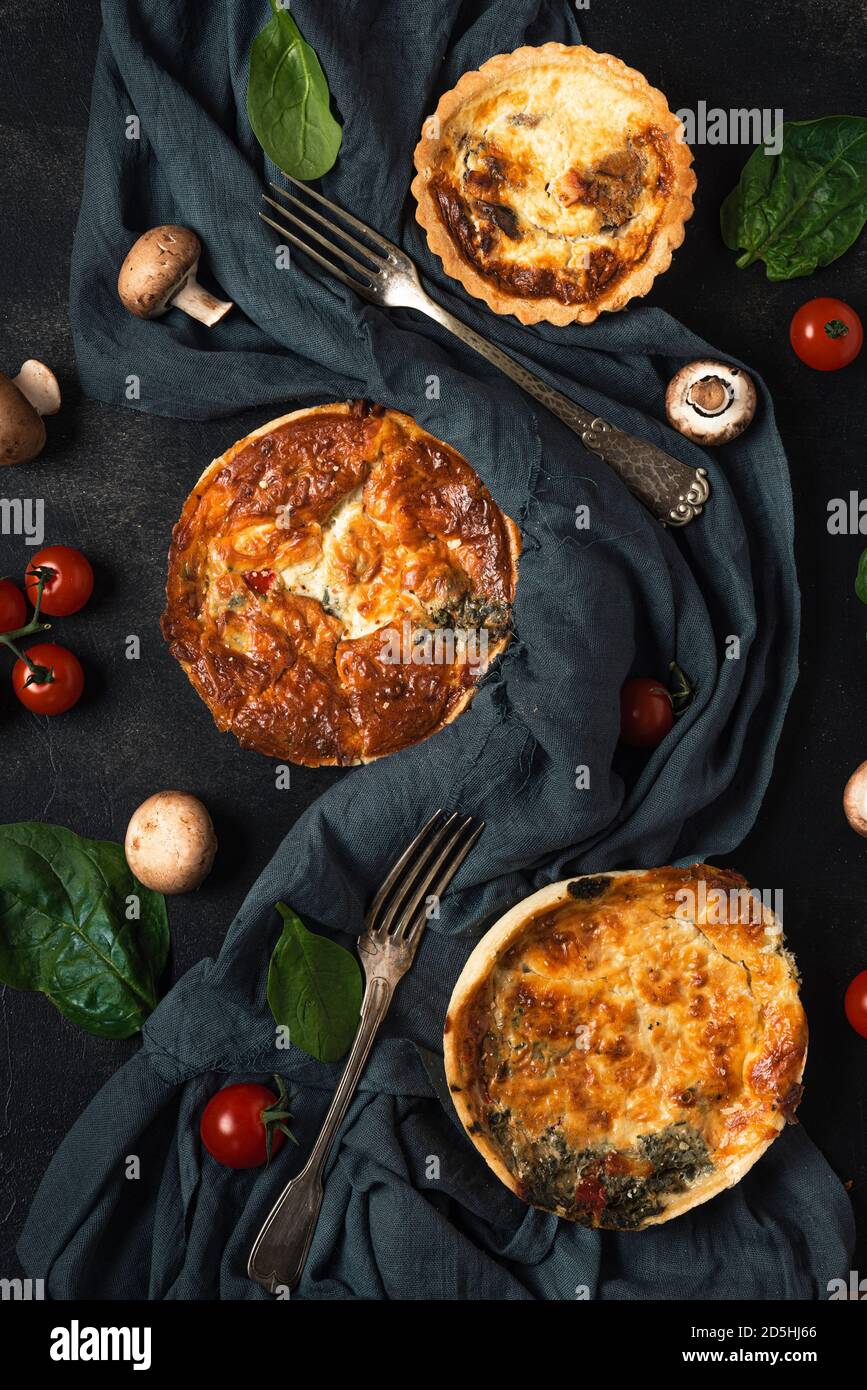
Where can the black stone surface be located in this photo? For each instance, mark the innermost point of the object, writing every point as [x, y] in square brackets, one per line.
[114, 482]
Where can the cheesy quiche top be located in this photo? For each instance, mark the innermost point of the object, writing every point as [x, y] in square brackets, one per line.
[623, 1047]
[338, 582]
[554, 183]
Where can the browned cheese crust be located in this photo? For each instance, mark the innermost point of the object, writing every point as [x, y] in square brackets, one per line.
[554, 183]
[617, 1053]
[305, 552]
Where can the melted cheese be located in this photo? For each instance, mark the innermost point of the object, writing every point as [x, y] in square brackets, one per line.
[557, 174]
[617, 1032]
[299, 554]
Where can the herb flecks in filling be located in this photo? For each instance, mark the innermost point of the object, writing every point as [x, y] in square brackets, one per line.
[585, 889]
[624, 1058]
[472, 612]
[620, 1189]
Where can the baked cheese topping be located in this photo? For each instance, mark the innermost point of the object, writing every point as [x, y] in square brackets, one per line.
[555, 174]
[312, 572]
[624, 1055]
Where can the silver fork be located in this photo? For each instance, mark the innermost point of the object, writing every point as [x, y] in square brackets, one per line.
[393, 928]
[385, 275]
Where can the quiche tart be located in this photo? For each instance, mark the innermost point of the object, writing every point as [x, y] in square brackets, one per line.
[338, 582]
[554, 183]
[623, 1047]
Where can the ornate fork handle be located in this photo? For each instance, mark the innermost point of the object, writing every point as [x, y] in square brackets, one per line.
[672, 491]
[278, 1256]
[386, 275]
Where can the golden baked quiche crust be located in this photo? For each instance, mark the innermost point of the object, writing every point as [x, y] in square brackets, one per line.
[554, 183]
[619, 1055]
[338, 583]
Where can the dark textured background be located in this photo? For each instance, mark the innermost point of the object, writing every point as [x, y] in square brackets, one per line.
[114, 483]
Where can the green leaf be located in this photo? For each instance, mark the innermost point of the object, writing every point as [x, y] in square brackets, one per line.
[314, 989]
[64, 929]
[288, 101]
[861, 577]
[802, 208]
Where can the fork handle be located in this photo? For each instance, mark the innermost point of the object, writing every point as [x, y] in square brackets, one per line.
[673, 492]
[281, 1247]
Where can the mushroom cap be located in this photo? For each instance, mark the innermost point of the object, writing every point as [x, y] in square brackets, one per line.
[22, 433]
[170, 842]
[155, 268]
[855, 800]
[710, 402]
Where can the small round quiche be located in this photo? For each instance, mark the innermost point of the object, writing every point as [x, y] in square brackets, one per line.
[338, 583]
[623, 1047]
[554, 183]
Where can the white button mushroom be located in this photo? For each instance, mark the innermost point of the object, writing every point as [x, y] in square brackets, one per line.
[170, 842]
[855, 800]
[24, 399]
[710, 402]
[160, 272]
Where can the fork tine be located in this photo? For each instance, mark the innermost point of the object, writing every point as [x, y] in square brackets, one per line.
[398, 867]
[363, 290]
[347, 216]
[330, 225]
[368, 270]
[384, 922]
[438, 879]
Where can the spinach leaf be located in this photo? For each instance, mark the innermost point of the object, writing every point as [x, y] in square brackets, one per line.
[64, 928]
[805, 206]
[288, 100]
[314, 989]
[861, 577]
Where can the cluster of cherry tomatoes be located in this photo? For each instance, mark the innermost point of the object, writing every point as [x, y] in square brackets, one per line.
[47, 678]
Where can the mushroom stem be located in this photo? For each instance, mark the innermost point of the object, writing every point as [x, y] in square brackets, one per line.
[38, 385]
[711, 395]
[710, 402]
[200, 305]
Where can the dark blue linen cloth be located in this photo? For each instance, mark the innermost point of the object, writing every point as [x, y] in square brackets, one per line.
[592, 608]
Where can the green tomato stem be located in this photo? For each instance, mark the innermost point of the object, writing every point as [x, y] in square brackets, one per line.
[42, 573]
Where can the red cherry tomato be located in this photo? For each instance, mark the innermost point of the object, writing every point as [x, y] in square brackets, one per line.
[68, 580]
[233, 1128]
[13, 609]
[856, 1003]
[826, 334]
[646, 713]
[57, 683]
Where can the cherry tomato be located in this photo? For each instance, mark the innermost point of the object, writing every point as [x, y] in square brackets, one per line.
[233, 1125]
[826, 334]
[13, 609]
[646, 713]
[856, 1003]
[58, 682]
[68, 580]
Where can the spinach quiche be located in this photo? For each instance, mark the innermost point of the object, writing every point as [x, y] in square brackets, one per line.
[622, 1047]
[554, 183]
[338, 582]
